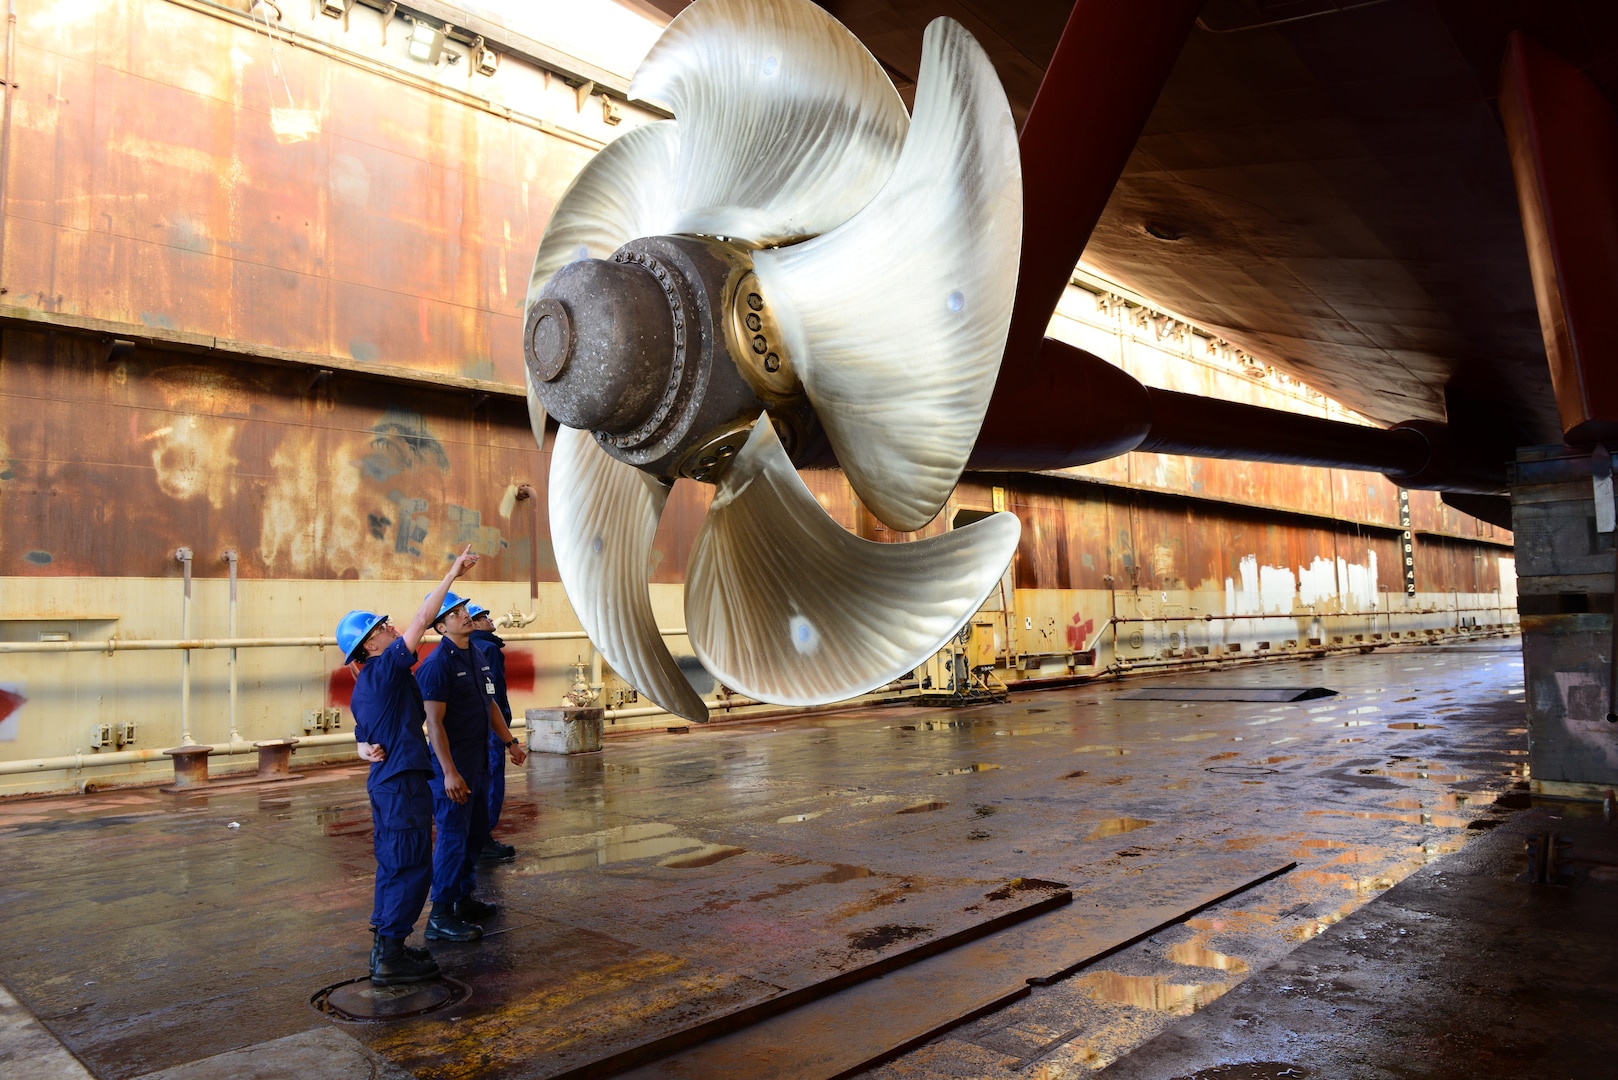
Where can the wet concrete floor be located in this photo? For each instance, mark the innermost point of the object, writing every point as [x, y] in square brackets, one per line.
[674, 878]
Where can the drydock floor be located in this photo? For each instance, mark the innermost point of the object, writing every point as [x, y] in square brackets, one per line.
[1329, 885]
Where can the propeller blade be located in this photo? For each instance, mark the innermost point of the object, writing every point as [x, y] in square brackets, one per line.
[621, 193]
[603, 517]
[788, 125]
[536, 410]
[896, 320]
[786, 606]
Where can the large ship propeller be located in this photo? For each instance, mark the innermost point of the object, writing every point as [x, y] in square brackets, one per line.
[790, 262]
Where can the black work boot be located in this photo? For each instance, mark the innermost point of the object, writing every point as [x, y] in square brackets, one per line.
[472, 909]
[444, 925]
[393, 964]
[495, 851]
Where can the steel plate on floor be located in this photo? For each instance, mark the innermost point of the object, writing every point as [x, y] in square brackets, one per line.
[1226, 693]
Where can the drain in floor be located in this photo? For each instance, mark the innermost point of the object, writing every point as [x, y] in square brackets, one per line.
[357, 1000]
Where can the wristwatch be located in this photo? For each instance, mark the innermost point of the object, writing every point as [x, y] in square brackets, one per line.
[512, 741]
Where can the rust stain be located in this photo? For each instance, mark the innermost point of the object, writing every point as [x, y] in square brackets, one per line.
[382, 237]
[331, 481]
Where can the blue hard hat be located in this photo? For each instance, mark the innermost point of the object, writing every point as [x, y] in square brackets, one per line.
[352, 629]
[474, 610]
[451, 602]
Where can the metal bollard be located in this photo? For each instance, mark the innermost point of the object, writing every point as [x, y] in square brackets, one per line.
[190, 767]
[274, 758]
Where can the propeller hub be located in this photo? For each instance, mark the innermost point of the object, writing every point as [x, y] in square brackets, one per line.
[667, 352]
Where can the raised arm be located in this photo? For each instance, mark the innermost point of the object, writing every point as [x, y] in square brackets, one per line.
[429, 607]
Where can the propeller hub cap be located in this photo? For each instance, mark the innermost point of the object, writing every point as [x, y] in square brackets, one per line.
[600, 345]
[550, 339]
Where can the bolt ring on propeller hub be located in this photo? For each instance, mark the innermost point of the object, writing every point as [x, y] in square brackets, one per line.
[676, 383]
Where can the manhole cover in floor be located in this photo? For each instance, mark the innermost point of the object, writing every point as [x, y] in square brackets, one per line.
[358, 999]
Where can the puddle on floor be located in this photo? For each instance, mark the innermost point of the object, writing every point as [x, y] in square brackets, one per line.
[1096, 748]
[1198, 737]
[1433, 849]
[1450, 801]
[979, 767]
[1192, 954]
[706, 855]
[941, 725]
[624, 847]
[1357, 857]
[1442, 821]
[1116, 826]
[1153, 992]
[1415, 725]
[1317, 925]
[1416, 774]
[870, 800]
[790, 818]
[1234, 921]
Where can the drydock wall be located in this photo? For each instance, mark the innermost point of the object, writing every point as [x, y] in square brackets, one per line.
[323, 376]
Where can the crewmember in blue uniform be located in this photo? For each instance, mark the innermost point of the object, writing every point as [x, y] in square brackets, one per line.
[388, 727]
[484, 637]
[457, 687]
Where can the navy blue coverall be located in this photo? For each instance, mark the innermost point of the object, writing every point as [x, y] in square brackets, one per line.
[462, 680]
[492, 647]
[388, 712]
